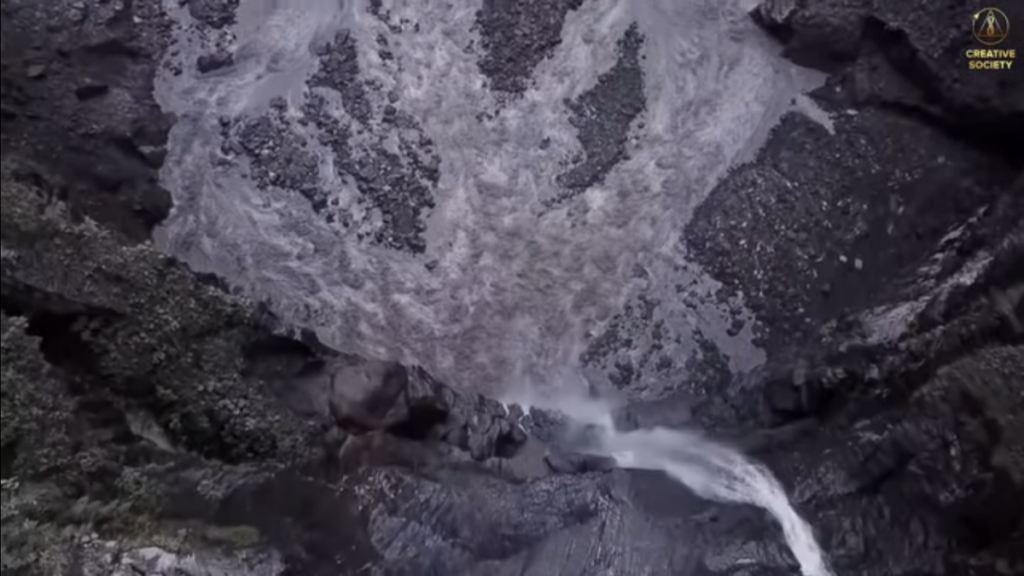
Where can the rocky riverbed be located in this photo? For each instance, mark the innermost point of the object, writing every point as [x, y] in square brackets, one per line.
[843, 301]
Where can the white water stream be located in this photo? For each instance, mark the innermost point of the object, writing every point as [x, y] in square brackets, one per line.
[710, 469]
[720, 473]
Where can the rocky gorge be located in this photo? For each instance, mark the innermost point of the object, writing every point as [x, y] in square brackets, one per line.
[160, 417]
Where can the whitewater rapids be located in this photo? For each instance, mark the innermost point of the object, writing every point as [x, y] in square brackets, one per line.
[508, 289]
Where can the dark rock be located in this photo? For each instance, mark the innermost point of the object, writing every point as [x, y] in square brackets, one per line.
[789, 399]
[279, 103]
[310, 520]
[570, 463]
[785, 398]
[517, 36]
[140, 400]
[603, 116]
[735, 327]
[775, 14]
[925, 47]
[214, 13]
[75, 151]
[482, 441]
[817, 34]
[215, 61]
[339, 70]
[194, 395]
[878, 174]
[278, 158]
[362, 395]
[399, 184]
[423, 408]
[91, 90]
[429, 409]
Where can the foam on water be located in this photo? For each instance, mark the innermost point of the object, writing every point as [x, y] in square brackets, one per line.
[517, 287]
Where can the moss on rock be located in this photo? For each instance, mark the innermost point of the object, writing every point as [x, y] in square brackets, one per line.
[34, 413]
[119, 367]
[161, 339]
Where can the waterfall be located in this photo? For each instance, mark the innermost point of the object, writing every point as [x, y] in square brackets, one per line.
[712, 470]
[718, 472]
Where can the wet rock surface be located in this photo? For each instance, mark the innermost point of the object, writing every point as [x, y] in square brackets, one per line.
[516, 36]
[154, 424]
[214, 61]
[385, 170]
[152, 368]
[603, 116]
[213, 13]
[396, 183]
[339, 71]
[278, 157]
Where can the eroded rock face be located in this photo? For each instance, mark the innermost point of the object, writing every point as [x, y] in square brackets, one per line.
[837, 221]
[910, 56]
[111, 385]
[78, 110]
[364, 393]
[428, 479]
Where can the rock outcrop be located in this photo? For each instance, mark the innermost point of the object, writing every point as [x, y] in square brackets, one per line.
[79, 115]
[129, 386]
[910, 57]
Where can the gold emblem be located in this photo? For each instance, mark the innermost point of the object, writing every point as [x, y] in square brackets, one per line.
[991, 26]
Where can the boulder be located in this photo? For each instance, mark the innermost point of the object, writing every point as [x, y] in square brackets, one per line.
[362, 395]
[214, 61]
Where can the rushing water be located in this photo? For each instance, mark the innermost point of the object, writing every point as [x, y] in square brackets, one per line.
[515, 289]
[717, 472]
[710, 469]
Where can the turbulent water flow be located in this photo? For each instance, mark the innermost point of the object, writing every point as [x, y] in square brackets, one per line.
[527, 256]
[710, 469]
[719, 473]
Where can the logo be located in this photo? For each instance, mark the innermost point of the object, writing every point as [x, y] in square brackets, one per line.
[991, 26]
